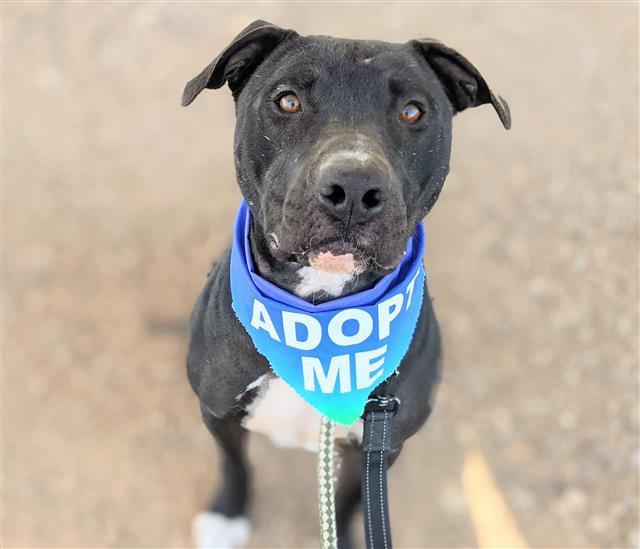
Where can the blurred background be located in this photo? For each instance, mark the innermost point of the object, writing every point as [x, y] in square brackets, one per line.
[116, 200]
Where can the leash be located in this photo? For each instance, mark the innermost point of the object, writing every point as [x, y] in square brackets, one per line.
[326, 496]
[376, 443]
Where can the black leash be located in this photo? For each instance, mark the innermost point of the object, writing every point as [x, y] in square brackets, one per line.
[376, 443]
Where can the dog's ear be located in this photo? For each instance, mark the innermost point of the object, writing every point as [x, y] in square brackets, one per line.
[462, 82]
[238, 60]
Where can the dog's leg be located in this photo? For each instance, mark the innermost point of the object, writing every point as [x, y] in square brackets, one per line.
[225, 523]
[347, 491]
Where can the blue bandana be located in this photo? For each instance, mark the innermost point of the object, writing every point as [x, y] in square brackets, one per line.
[335, 353]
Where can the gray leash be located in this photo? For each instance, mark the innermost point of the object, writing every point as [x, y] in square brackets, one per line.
[326, 482]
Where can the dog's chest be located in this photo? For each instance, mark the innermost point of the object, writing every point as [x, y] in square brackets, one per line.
[281, 414]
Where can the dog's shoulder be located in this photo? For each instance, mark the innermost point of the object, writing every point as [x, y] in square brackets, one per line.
[214, 300]
[221, 361]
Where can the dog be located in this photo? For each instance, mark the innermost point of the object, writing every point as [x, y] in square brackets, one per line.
[341, 149]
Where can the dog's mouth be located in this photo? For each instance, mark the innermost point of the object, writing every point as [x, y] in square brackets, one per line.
[342, 258]
[341, 263]
[359, 254]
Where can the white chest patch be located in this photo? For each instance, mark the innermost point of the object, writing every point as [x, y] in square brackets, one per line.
[315, 281]
[281, 414]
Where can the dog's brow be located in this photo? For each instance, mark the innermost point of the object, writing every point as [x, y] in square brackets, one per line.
[398, 86]
[300, 75]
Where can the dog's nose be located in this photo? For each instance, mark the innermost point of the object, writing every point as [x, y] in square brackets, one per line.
[352, 199]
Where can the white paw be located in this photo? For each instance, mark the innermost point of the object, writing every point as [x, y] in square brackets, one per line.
[216, 530]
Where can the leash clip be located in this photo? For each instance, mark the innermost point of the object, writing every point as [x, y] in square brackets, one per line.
[381, 403]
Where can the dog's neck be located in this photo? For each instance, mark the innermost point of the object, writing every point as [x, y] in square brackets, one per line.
[313, 285]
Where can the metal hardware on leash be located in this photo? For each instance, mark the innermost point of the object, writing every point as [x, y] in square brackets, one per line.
[379, 401]
[326, 482]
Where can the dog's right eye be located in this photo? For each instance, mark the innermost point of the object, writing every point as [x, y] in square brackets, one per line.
[289, 103]
[410, 113]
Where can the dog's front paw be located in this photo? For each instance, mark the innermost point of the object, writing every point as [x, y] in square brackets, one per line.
[217, 530]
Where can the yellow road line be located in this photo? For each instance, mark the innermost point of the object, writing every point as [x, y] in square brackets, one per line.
[494, 525]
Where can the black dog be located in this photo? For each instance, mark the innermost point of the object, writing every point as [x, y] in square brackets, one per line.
[341, 148]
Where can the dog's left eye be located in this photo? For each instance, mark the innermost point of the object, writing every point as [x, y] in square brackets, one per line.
[410, 113]
[289, 103]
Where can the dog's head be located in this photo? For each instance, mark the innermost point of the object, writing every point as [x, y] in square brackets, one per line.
[341, 146]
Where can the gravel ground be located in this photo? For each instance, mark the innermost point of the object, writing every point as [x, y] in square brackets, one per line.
[115, 200]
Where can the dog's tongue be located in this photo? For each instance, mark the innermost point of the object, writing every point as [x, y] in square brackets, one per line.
[342, 263]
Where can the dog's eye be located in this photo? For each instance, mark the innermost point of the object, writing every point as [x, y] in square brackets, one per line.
[410, 113]
[289, 103]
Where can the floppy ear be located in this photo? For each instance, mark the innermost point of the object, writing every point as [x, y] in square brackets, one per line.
[238, 60]
[462, 82]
